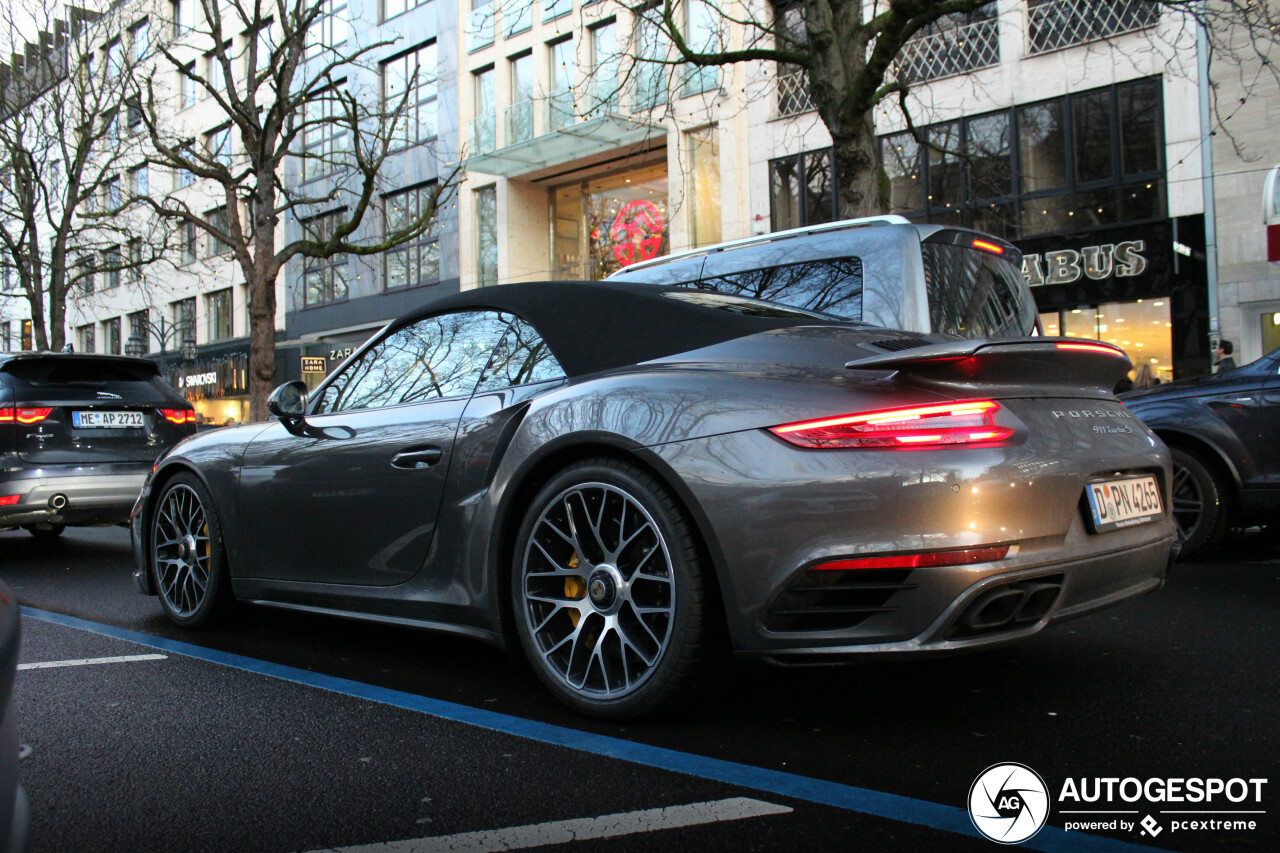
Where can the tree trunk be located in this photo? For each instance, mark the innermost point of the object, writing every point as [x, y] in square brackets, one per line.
[857, 169]
[262, 342]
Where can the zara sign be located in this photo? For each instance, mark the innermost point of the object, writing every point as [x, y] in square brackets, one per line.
[1066, 266]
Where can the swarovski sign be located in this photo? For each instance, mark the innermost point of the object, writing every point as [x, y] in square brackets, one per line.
[1067, 266]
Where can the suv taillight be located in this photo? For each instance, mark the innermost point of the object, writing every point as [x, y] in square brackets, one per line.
[179, 416]
[968, 422]
[24, 416]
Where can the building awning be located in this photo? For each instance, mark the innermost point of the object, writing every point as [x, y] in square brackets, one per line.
[569, 144]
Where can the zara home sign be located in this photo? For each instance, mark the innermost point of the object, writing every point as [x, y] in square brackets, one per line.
[1067, 266]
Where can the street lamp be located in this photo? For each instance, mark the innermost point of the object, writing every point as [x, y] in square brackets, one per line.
[165, 333]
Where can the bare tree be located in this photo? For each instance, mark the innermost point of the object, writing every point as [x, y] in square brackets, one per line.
[71, 156]
[278, 72]
[851, 53]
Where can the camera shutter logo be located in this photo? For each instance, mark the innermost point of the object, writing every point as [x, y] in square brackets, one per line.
[1008, 803]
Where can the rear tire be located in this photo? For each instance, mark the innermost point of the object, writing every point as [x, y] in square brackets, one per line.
[1201, 501]
[606, 589]
[185, 555]
[45, 532]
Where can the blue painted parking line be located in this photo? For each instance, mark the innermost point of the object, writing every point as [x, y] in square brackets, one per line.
[851, 798]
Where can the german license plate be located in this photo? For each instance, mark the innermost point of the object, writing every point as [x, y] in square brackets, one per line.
[1124, 503]
[109, 420]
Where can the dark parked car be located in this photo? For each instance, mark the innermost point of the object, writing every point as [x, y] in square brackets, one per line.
[78, 435]
[604, 472]
[1224, 432]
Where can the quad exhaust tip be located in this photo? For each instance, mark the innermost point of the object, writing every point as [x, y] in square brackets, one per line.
[57, 502]
[1012, 606]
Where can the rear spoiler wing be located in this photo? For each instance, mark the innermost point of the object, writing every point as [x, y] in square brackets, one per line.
[1038, 364]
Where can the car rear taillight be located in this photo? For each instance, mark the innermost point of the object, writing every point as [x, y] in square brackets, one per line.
[9, 500]
[918, 561]
[24, 416]
[179, 416]
[969, 422]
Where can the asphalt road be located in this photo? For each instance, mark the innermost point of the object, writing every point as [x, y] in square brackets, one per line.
[287, 731]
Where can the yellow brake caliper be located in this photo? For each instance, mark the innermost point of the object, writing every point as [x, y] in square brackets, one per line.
[574, 589]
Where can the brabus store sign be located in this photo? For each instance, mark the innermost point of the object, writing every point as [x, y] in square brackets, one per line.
[1126, 261]
[1096, 263]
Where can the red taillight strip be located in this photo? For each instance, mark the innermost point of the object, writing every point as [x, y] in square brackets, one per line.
[1103, 348]
[9, 500]
[179, 416]
[966, 422]
[988, 247]
[918, 561]
[24, 416]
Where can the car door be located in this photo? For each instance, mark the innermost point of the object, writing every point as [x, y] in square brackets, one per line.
[1269, 419]
[354, 498]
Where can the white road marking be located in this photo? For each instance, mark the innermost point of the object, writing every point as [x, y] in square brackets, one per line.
[54, 664]
[582, 829]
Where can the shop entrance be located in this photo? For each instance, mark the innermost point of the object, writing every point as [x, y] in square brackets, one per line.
[604, 224]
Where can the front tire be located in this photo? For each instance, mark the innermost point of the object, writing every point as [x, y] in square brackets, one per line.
[607, 591]
[1200, 502]
[187, 560]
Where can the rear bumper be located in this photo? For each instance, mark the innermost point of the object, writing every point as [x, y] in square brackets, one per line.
[86, 495]
[1071, 589]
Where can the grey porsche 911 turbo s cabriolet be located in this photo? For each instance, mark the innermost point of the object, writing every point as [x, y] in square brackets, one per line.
[602, 473]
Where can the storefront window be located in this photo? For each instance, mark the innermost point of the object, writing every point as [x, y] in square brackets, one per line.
[608, 223]
[704, 175]
[1270, 331]
[802, 190]
[1143, 329]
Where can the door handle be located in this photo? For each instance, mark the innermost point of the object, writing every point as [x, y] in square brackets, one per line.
[413, 460]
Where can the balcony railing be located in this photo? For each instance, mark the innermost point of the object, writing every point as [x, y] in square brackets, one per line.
[558, 112]
[956, 51]
[793, 93]
[1061, 23]
[484, 137]
[518, 122]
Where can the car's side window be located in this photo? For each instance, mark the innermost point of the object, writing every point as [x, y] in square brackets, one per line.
[440, 356]
[521, 357]
[832, 286]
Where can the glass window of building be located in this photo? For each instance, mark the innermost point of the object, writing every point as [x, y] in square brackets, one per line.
[324, 280]
[183, 317]
[411, 78]
[802, 190]
[85, 338]
[5, 331]
[139, 329]
[650, 72]
[418, 261]
[111, 336]
[325, 137]
[112, 264]
[486, 199]
[560, 108]
[704, 193]
[484, 124]
[519, 113]
[26, 335]
[218, 219]
[1087, 159]
[704, 32]
[605, 79]
[607, 223]
[391, 8]
[1143, 329]
[330, 29]
[218, 310]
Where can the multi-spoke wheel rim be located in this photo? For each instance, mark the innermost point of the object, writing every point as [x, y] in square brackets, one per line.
[181, 549]
[599, 591]
[1188, 502]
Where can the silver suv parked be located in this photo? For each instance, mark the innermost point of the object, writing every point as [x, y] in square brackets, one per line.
[883, 271]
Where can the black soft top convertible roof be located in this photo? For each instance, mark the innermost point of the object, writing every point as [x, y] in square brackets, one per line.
[602, 325]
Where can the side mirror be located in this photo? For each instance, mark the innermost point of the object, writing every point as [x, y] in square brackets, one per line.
[289, 401]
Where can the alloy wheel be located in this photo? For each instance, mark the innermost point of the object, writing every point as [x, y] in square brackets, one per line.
[181, 549]
[599, 590]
